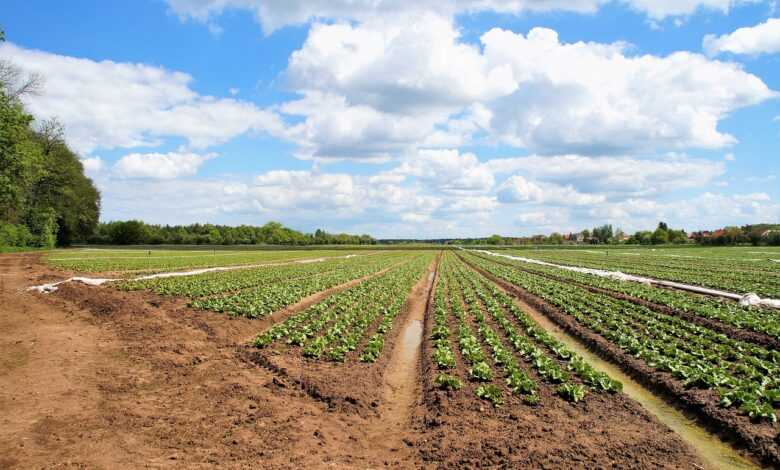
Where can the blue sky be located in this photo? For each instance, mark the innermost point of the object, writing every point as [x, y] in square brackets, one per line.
[415, 119]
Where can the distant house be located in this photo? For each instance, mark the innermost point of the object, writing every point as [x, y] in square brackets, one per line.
[765, 233]
[580, 238]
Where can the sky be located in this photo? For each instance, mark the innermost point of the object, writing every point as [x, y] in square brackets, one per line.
[415, 119]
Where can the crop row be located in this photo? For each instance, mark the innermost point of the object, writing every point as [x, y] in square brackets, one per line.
[732, 276]
[461, 287]
[158, 261]
[220, 282]
[265, 299]
[744, 375]
[339, 324]
[761, 320]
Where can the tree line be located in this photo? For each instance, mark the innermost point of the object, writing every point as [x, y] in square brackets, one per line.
[757, 234]
[45, 198]
[135, 232]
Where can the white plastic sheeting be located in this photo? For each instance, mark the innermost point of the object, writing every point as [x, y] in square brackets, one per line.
[743, 299]
[51, 287]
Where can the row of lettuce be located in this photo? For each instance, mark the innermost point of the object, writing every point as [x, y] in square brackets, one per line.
[502, 351]
[744, 376]
[757, 273]
[135, 261]
[760, 320]
[353, 320]
[258, 292]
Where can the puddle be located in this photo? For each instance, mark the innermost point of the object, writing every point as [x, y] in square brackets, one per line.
[714, 453]
[410, 342]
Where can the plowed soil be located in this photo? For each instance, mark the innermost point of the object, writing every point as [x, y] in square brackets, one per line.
[91, 377]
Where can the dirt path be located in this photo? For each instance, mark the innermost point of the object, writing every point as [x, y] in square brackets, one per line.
[401, 388]
[49, 392]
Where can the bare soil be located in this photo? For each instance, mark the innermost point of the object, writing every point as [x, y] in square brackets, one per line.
[92, 377]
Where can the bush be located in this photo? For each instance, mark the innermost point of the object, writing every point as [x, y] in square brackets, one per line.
[15, 235]
[132, 232]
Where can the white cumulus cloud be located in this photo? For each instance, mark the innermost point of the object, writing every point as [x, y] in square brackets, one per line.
[764, 38]
[162, 166]
[377, 89]
[107, 105]
[518, 189]
[275, 14]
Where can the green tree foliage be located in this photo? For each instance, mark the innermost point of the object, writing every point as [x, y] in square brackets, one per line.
[495, 240]
[660, 236]
[134, 232]
[555, 239]
[45, 198]
[603, 234]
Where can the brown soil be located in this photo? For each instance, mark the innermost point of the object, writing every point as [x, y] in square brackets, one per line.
[762, 440]
[92, 377]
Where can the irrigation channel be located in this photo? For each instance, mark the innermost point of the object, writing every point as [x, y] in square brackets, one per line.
[715, 453]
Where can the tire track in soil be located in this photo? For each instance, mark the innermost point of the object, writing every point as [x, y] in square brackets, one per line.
[402, 384]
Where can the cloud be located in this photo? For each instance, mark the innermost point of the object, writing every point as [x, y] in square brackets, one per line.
[445, 170]
[661, 9]
[729, 157]
[333, 129]
[275, 14]
[549, 220]
[374, 90]
[482, 205]
[107, 105]
[618, 176]
[397, 65]
[707, 210]
[764, 38]
[397, 203]
[518, 189]
[304, 190]
[591, 98]
[93, 165]
[162, 166]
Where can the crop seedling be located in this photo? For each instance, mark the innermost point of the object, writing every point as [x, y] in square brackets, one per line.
[491, 393]
[448, 382]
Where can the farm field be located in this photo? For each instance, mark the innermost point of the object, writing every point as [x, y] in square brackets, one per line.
[412, 359]
[743, 269]
[149, 261]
